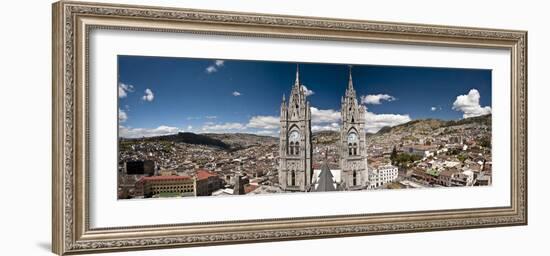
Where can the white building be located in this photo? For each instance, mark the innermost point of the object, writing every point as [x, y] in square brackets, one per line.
[382, 175]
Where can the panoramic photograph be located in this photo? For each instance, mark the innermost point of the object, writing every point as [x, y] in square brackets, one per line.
[192, 127]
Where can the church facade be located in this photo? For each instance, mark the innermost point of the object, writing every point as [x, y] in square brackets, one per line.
[295, 141]
[295, 151]
[353, 143]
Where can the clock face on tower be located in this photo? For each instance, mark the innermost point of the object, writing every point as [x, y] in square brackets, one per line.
[294, 136]
[352, 137]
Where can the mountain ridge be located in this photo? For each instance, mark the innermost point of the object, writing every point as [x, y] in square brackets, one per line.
[236, 141]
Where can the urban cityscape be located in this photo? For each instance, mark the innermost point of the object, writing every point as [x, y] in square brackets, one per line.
[302, 148]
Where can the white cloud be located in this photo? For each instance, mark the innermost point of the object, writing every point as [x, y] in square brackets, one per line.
[273, 133]
[433, 108]
[236, 93]
[189, 127]
[322, 119]
[215, 66]
[149, 96]
[264, 122]
[329, 119]
[375, 122]
[319, 116]
[124, 89]
[211, 117]
[469, 105]
[225, 127]
[122, 116]
[211, 69]
[307, 91]
[376, 98]
[326, 127]
[128, 132]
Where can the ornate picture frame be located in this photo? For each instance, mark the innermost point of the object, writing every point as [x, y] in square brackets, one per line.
[72, 23]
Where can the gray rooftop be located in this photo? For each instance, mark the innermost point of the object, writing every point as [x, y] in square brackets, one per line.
[325, 181]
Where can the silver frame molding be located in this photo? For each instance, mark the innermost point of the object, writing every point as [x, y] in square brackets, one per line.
[72, 22]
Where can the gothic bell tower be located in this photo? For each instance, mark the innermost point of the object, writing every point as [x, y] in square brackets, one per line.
[295, 151]
[353, 146]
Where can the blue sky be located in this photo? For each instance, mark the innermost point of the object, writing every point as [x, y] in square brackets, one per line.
[168, 95]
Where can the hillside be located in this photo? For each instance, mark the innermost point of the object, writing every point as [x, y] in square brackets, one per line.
[227, 141]
[428, 125]
[242, 140]
[484, 120]
[325, 137]
[411, 131]
[421, 125]
[186, 137]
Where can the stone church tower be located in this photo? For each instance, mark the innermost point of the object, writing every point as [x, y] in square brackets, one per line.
[295, 149]
[353, 145]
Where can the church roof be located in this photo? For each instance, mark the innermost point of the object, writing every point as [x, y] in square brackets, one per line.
[325, 182]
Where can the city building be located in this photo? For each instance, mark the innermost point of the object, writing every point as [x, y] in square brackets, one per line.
[483, 180]
[445, 176]
[353, 145]
[461, 179]
[295, 151]
[378, 176]
[240, 184]
[140, 167]
[165, 186]
[422, 150]
[207, 182]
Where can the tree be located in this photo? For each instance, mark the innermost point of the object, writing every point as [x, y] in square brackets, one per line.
[462, 158]
[404, 159]
[485, 142]
[393, 156]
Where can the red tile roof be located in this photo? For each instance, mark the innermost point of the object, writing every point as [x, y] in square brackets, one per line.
[205, 174]
[249, 188]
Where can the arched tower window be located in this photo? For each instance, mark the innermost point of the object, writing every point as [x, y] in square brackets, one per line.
[288, 150]
[352, 144]
[294, 145]
[293, 178]
[354, 178]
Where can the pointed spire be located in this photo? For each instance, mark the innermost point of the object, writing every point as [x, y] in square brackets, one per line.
[350, 82]
[297, 82]
[284, 97]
